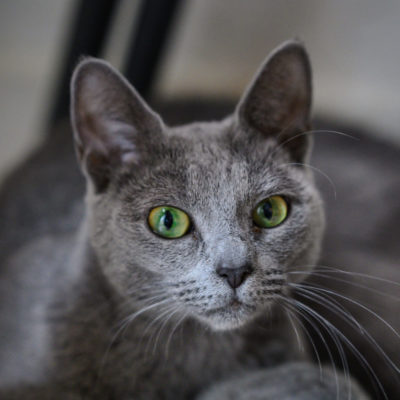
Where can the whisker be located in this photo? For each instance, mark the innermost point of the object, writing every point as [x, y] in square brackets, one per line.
[290, 303]
[351, 346]
[387, 358]
[330, 303]
[334, 132]
[162, 328]
[144, 294]
[299, 342]
[327, 268]
[293, 314]
[338, 312]
[341, 296]
[308, 133]
[321, 273]
[132, 302]
[173, 330]
[159, 317]
[128, 320]
[325, 175]
[144, 303]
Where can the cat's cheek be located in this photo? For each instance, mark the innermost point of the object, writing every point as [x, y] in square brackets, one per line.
[306, 259]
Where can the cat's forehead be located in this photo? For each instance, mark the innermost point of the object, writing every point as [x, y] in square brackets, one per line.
[208, 163]
[221, 144]
[221, 151]
[227, 175]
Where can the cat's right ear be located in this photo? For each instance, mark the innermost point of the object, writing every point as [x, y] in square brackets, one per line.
[111, 122]
[277, 103]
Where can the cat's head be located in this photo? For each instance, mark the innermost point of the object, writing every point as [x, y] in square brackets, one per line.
[203, 219]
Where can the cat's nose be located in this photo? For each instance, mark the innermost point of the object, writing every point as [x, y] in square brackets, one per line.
[234, 275]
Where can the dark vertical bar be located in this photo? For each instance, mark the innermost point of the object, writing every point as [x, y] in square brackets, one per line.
[88, 32]
[149, 37]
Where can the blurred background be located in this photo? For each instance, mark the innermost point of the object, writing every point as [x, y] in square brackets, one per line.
[211, 50]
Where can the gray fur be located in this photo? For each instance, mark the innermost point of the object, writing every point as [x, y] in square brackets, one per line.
[305, 384]
[182, 332]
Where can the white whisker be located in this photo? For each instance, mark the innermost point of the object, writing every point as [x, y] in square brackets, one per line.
[387, 358]
[128, 320]
[330, 304]
[293, 314]
[342, 271]
[308, 133]
[290, 302]
[323, 320]
[173, 330]
[162, 328]
[299, 342]
[159, 317]
[325, 175]
[321, 274]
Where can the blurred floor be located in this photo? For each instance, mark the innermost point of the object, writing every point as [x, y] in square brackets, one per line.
[216, 47]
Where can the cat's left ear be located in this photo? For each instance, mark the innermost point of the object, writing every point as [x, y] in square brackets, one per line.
[112, 124]
[278, 101]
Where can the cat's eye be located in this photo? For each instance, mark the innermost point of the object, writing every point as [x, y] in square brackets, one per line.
[169, 222]
[270, 212]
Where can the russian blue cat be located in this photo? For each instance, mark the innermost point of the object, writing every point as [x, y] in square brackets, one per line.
[176, 284]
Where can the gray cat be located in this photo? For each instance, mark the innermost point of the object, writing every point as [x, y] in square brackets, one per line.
[176, 284]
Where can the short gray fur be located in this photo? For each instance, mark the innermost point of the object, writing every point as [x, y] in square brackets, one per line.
[64, 299]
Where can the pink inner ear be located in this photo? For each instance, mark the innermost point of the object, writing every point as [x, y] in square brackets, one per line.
[110, 137]
[120, 139]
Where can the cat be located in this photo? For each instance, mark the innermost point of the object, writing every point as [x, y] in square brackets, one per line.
[176, 284]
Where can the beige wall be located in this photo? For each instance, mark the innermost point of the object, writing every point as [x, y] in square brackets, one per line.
[31, 33]
[354, 47]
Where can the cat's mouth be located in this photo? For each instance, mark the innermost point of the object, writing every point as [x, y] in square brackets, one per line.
[234, 314]
[235, 308]
[236, 303]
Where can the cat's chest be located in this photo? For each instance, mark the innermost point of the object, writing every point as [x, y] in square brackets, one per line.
[179, 366]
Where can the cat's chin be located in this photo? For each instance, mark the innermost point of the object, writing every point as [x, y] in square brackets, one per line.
[229, 317]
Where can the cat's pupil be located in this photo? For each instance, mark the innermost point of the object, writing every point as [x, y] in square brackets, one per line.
[267, 209]
[168, 219]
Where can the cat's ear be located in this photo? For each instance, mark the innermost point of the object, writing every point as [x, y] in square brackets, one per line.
[110, 120]
[278, 101]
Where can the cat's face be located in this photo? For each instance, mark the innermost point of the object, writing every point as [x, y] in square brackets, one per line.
[226, 266]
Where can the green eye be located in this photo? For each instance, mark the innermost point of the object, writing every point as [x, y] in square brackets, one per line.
[270, 212]
[168, 222]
